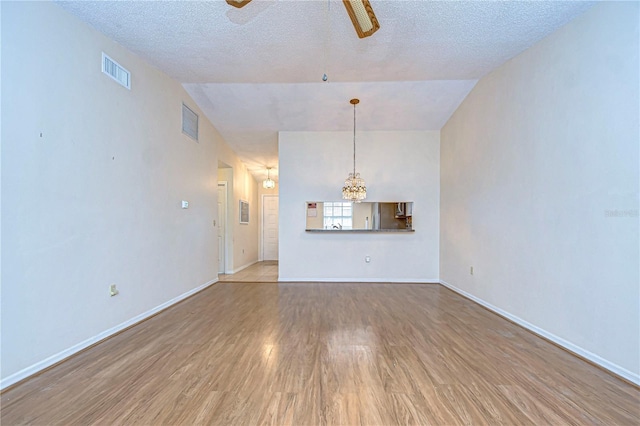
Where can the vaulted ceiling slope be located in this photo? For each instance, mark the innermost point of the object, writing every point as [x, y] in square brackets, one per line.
[258, 70]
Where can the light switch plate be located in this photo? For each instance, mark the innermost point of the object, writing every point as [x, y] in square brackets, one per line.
[113, 290]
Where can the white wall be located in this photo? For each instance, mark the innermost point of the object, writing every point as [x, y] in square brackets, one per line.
[92, 181]
[396, 166]
[533, 163]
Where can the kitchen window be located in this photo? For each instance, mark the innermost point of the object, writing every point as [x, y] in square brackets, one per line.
[338, 215]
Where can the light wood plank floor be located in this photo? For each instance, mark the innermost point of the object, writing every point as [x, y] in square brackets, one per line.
[261, 272]
[319, 353]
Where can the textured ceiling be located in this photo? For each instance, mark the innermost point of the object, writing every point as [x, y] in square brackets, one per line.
[257, 70]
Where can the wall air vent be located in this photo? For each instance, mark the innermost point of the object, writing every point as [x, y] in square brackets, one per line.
[189, 122]
[116, 71]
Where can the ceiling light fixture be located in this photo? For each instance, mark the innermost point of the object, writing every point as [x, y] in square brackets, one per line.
[238, 3]
[354, 188]
[268, 183]
[362, 17]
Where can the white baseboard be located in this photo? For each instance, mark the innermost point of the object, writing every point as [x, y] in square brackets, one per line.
[235, 271]
[614, 368]
[60, 356]
[362, 280]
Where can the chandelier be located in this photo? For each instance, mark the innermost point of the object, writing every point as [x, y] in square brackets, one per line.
[354, 188]
[268, 183]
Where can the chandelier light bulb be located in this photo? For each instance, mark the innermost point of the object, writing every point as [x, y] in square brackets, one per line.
[268, 183]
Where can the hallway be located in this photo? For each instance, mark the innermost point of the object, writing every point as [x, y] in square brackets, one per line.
[260, 272]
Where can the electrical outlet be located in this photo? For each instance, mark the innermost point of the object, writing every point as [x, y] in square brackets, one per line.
[113, 291]
[471, 271]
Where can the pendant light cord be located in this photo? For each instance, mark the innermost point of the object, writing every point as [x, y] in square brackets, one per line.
[354, 140]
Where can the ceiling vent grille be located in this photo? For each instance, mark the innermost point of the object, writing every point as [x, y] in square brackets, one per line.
[116, 71]
[189, 122]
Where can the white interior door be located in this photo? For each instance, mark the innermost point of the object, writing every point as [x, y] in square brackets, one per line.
[270, 227]
[222, 225]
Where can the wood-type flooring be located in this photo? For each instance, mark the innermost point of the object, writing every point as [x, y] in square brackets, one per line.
[319, 354]
[260, 272]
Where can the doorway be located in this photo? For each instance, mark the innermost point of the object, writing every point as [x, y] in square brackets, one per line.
[270, 227]
[222, 227]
